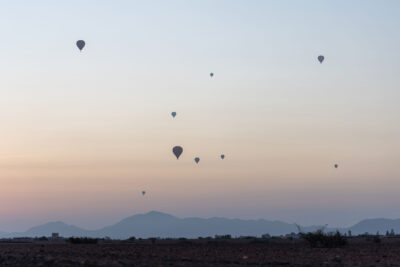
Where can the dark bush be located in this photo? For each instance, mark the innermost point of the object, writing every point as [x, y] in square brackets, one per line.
[259, 241]
[223, 237]
[185, 241]
[82, 240]
[320, 239]
[377, 239]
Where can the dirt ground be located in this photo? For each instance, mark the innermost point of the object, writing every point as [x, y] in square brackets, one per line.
[200, 254]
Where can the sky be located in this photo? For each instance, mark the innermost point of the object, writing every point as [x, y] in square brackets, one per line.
[84, 133]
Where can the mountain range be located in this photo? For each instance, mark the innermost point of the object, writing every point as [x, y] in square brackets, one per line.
[157, 224]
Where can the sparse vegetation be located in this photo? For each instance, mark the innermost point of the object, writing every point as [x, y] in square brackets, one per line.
[321, 239]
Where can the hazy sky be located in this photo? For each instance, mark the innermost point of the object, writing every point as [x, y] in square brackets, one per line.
[82, 134]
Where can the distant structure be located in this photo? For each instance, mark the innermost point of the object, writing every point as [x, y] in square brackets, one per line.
[55, 235]
[266, 236]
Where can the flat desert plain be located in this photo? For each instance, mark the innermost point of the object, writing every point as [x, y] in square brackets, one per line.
[192, 253]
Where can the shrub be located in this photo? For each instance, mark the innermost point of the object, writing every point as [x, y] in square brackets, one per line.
[265, 236]
[183, 240]
[376, 239]
[223, 237]
[132, 238]
[82, 240]
[320, 239]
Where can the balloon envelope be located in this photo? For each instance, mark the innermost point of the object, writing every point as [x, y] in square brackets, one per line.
[321, 58]
[336, 166]
[177, 150]
[197, 160]
[80, 44]
[222, 156]
[173, 114]
[211, 74]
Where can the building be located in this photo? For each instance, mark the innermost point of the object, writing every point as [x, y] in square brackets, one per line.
[55, 236]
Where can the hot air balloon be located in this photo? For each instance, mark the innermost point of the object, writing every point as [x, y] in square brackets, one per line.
[197, 160]
[143, 193]
[336, 166]
[211, 74]
[321, 58]
[80, 44]
[173, 114]
[222, 156]
[177, 150]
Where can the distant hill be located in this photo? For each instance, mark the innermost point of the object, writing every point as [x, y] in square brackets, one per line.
[373, 225]
[51, 227]
[158, 224]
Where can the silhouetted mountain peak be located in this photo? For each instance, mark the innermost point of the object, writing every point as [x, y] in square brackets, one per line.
[55, 223]
[152, 215]
[158, 214]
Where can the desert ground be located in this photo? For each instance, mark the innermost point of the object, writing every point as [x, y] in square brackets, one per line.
[201, 253]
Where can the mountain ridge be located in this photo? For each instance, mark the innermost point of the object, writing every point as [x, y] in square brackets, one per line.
[159, 224]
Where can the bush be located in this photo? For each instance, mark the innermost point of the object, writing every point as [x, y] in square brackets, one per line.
[223, 237]
[320, 239]
[132, 238]
[259, 241]
[376, 239]
[183, 240]
[266, 236]
[82, 240]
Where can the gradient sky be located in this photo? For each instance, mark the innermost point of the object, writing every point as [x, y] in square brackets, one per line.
[82, 134]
